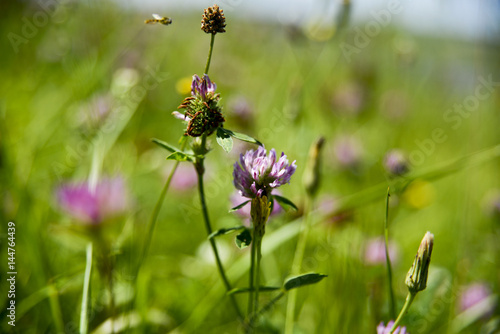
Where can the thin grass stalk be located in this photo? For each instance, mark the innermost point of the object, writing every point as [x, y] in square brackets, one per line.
[84, 312]
[392, 299]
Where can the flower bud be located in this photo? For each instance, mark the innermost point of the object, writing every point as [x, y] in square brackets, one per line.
[416, 279]
[311, 175]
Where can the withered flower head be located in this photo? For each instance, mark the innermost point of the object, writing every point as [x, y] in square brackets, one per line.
[203, 110]
[213, 20]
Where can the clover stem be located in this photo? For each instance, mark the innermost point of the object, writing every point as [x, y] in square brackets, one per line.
[200, 171]
[209, 58]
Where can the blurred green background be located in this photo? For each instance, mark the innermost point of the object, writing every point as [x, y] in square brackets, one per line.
[85, 87]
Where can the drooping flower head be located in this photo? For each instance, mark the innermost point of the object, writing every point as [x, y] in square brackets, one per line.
[93, 206]
[203, 110]
[381, 329]
[256, 174]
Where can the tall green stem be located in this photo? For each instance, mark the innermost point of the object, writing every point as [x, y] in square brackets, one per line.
[266, 307]
[84, 321]
[212, 39]
[156, 212]
[409, 299]
[297, 264]
[388, 260]
[251, 276]
[200, 171]
[258, 254]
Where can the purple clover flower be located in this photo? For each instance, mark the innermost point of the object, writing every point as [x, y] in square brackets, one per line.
[92, 206]
[475, 294]
[256, 174]
[202, 86]
[381, 329]
[396, 163]
[375, 252]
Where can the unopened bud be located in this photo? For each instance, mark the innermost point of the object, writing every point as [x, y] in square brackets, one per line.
[311, 177]
[416, 279]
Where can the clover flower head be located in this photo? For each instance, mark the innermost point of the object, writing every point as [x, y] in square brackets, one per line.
[202, 86]
[93, 206]
[256, 174]
[396, 163]
[203, 110]
[381, 329]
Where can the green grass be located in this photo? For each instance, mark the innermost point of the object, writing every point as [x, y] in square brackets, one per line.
[289, 81]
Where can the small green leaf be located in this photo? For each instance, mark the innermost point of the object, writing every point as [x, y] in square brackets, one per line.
[261, 289]
[224, 140]
[241, 136]
[239, 206]
[223, 231]
[179, 156]
[301, 280]
[243, 239]
[165, 145]
[285, 202]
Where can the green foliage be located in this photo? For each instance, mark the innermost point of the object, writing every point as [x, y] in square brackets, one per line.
[244, 239]
[301, 280]
[398, 92]
[285, 202]
[224, 140]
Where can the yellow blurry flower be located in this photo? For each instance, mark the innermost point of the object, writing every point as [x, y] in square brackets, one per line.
[419, 194]
[183, 86]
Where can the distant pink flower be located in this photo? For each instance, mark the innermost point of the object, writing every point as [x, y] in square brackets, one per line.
[96, 109]
[328, 206]
[348, 151]
[88, 206]
[241, 110]
[375, 251]
[349, 99]
[185, 177]
[381, 329]
[474, 294]
[396, 162]
[492, 203]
